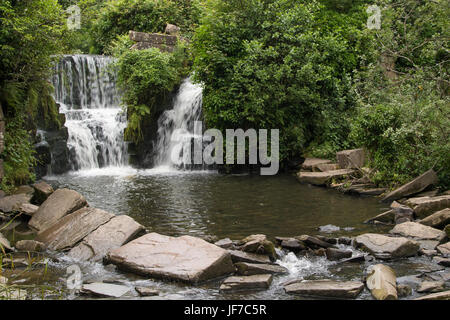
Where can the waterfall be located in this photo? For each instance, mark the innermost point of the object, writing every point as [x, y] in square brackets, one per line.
[175, 136]
[85, 89]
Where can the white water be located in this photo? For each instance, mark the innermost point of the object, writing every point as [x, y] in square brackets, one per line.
[173, 149]
[86, 90]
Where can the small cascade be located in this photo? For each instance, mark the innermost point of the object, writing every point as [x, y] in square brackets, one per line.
[85, 88]
[176, 137]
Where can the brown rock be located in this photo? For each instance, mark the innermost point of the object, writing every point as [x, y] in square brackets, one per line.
[184, 258]
[418, 231]
[59, 204]
[444, 249]
[28, 209]
[349, 159]
[4, 244]
[382, 283]
[431, 286]
[337, 254]
[322, 178]
[309, 163]
[147, 292]
[425, 206]
[249, 269]
[323, 167]
[385, 217]
[436, 296]
[384, 247]
[438, 219]
[326, 288]
[415, 186]
[259, 281]
[12, 203]
[42, 190]
[241, 256]
[30, 245]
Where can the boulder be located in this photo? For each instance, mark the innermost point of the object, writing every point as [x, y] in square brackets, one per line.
[381, 281]
[438, 219]
[249, 269]
[146, 291]
[326, 288]
[436, 296]
[72, 228]
[111, 235]
[28, 209]
[225, 243]
[444, 249]
[349, 159]
[387, 217]
[337, 254]
[322, 178]
[418, 231]
[431, 286]
[59, 204]
[314, 242]
[293, 244]
[185, 258]
[240, 256]
[259, 244]
[105, 289]
[254, 282]
[402, 213]
[42, 190]
[12, 203]
[4, 244]
[425, 206]
[384, 247]
[415, 186]
[30, 245]
[310, 163]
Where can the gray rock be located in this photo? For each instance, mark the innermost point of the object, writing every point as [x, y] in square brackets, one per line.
[436, 296]
[337, 254]
[323, 167]
[224, 243]
[348, 159]
[384, 247]
[310, 163]
[258, 244]
[185, 258]
[425, 206]
[240, 256]
[292, 244]
[249, 269]
[25, 189]
[147, 292]
[42, 190]
[382, 283]
[72, 228]
[428, 244]
[113, 234]
[105, 289]
[28, 209]
[444, 249]
[59, 204]
[438, 219]
[431, 287]
[4, 244]
[254, 282]
[314, 242]
[326, 288]
[30, 245]
[10, 204]
[418, 231]
[172, 29]
[322, 178]
[415, 186]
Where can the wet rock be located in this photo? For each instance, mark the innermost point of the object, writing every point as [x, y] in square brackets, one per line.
[321, 252]
[348, 159]
[322, 178]
[59, 204]
[30, 245]
[240, 256]
[428, 244]
[309, 163]
[72, 228]
[356, 259]
[314, 242]
[146, 291]
[384, 247]
[418, 231]
[403, 290]
[402, 213]
[28, 209]
[425, 206]
[254, 282]
[326, 288]
[293, 244]
[10, 204]
[4, 244]
[345, 240]
[436, 296]
[249, 269]
[444, 249]
[386, 217]
[183, 258]
[337, 254]
[111, 235]
[381, 281]
[105, 289]
[225, 243]
[431, 287]
[259, 244]
[428, 252]
[438, 219]
[42, 190]
[415, 186]
[327, 239]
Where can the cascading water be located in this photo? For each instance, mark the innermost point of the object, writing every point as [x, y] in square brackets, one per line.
[176, 136]
[85, 89]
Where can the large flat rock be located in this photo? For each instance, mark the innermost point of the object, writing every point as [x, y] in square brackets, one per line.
[59, 204]
[322, 178]
[384, 247]
[113, 234]
[326, 288]
[105, 289]
[438, 219]
[311, 163]
[12, 203]
[185, 258]
[42, 190]
[436, 296]
[72, 228]
[250, 269]
[415, 186]
[425, 206]
[241, 256]
[254, 282]
[418, 231]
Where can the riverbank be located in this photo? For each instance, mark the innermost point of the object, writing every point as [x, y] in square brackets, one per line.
[323, 254]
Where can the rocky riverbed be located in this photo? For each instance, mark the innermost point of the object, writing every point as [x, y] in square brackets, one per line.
[45, 232]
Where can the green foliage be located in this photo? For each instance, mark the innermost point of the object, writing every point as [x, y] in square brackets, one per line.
[275, 64]
[147, 77]
[118, 17]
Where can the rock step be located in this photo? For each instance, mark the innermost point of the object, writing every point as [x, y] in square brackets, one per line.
[322, 178]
